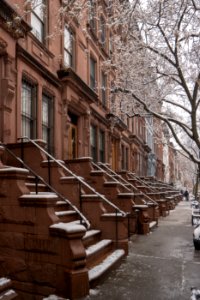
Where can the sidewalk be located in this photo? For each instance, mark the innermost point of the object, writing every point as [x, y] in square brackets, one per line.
[162, 265]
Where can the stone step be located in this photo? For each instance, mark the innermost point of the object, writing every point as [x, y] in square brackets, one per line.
[40, 186]
[66, 215]
[91, 236]
[61, 205]
[6, 292]
[98, 272]
[98, 250]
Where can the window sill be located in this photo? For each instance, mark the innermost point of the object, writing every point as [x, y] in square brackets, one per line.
[42, 46]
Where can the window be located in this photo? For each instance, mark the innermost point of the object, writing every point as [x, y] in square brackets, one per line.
[28, 109]
[93, 142]
[102, 31]
[112, 98]
[38, 19]
[124, 158]
[47, 121]
[104, 88]
[101, 146]
[92, 73]
[68, 47]
[92, 14]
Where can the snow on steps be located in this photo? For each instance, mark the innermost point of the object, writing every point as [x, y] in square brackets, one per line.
[6, 293]
[152, 224]
[91, 236]
[98, 247]
[110, 261]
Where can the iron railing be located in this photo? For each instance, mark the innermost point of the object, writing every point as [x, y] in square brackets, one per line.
[118, 212]
[38, 179]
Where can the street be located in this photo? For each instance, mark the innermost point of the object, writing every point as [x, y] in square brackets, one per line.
[160, 266]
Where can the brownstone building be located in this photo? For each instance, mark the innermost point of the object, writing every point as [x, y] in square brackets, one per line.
[60, 94]
[55, 91]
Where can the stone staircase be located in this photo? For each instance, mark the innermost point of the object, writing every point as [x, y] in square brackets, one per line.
[49, 219]
[142, 209]
[96, 248]
[156, 195]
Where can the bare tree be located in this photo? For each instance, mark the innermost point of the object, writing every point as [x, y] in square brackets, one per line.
[160, 52]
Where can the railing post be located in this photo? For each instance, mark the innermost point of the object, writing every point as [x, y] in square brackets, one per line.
[22, 151]
[36, 184]
[128, 218]
[80, 200]
[116, 228]
[49, 170]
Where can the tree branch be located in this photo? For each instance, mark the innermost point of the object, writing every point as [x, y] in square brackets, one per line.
[178, 105]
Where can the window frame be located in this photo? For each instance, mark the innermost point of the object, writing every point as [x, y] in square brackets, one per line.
[101, 145]
[42, 22]
[102, 25]
[92, 15]
[29, 117]
[49, 99]
[93, 79]
[104, 89]
[93, 146]
[70, 53]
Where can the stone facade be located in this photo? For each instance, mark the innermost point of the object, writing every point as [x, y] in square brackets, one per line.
[70, 114]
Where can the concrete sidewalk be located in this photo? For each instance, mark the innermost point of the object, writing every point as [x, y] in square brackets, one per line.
[162, 265]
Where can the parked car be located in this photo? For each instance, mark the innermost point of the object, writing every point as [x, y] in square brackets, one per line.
[195, 293]
[195, 204]
[196, 237]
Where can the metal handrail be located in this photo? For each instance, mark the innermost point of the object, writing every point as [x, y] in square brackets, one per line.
[82, 217]
[110, 175]
[125, 181]
[154, 189]
[121, 212]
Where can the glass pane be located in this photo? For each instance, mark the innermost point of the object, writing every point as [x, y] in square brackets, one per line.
[68, 40]
[38, 27]
[92, 73]
[45, 133]
[67, 59]
[101, 140]
[93, 136]
[103, 31]
[38, 8]
[26, 99]
[45, 113]
[26, 127]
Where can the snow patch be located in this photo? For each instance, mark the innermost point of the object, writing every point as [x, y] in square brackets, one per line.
[152, 224]
[64, 213]
[4, 281]
[8, 295]
[97, 271]
[69, 227]
[90, 233]
[97, 247]
[54, 297]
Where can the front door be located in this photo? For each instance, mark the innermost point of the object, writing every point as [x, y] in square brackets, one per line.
[73, 137]
[72, 142]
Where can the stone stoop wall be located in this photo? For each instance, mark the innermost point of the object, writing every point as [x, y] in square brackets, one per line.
[69, 187]
[113, 192]
[40, 259]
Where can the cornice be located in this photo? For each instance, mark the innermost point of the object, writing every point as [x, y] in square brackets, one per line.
[50, 77]
[135, 139]
[12, 22]
[68, 75]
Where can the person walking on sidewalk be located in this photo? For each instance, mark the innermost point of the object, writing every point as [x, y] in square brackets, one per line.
[186, 195]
